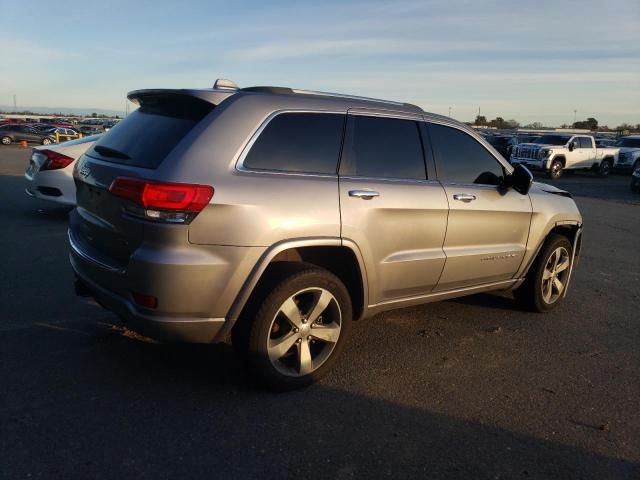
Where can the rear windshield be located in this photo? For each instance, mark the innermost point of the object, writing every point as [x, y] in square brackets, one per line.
[147, 135]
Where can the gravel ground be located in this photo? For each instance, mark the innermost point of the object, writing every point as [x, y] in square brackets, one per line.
[468, 388]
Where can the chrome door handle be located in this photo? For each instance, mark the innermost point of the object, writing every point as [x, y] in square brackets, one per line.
[364, 194]
[464, 197]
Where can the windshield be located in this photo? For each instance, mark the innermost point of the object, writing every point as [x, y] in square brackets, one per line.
[628, 142]
[497, 141]
[552, 140]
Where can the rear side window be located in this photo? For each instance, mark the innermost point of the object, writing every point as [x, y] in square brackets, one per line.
[460, 158]
[147, 135]
[382, 148]
[298, 142]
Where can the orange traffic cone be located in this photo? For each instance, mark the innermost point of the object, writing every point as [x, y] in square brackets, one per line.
[23, 144]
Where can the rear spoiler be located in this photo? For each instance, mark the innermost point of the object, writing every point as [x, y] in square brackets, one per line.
[213, 96]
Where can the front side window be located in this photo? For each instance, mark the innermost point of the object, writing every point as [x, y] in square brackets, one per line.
[382, 147]
[460, 158]
[298, 142]
[584, 142]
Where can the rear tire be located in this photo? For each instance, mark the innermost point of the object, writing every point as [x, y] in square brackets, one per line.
[292, 334]
[555, 170]
[604, 169]
[6, 140]
[46, 141]
[546, 281]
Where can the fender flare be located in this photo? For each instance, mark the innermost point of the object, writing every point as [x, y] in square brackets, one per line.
[261, 265]
[524, 270]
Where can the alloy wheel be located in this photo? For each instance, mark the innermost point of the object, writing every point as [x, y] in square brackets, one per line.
[554, 276]
[304, 332]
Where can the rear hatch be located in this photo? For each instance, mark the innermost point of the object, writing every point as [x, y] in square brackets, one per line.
[135, 147]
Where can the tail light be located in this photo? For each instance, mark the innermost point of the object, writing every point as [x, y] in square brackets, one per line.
[162, 201]
[54, 160]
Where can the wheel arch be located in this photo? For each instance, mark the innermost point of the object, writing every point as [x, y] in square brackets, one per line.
[340, 257]
[561, 158]
[571, 230]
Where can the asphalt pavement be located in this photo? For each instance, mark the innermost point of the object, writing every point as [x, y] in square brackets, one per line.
[469, 388]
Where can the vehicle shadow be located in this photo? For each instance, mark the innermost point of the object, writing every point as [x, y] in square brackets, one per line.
[503, 301]
[15, 204]
[103, 404]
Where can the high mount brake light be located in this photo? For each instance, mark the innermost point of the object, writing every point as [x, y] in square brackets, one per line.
[162, 201]
[55, 160]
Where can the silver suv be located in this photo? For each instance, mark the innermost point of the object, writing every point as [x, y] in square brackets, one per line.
[275, 217]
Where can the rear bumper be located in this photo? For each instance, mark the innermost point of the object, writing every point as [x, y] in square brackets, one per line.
[195, 285]
[169, 329]
[54, 186]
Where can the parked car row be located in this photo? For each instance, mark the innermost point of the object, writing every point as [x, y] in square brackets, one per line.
[15, 133]
[555, 153]
[44, 134]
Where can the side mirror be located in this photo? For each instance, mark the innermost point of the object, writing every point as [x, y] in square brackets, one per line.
[520, 179]
[572, 145]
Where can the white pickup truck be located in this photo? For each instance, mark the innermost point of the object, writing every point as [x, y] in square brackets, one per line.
[556, 152]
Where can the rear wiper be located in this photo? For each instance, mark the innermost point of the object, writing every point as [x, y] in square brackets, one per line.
[111, 152]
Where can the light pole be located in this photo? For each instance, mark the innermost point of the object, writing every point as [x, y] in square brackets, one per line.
[449, 111]
[574, 117]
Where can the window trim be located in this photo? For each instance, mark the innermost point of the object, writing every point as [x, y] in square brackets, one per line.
[240, 167]
[507, 167]
[417, 119]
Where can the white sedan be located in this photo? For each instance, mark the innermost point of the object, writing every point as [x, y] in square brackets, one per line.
[50, 170]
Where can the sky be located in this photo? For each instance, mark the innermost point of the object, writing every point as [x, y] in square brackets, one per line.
[530, 61]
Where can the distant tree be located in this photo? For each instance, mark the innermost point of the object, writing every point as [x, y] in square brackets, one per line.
[625, 127]
[94, 115]
[480, 120]
[535, 125]
[511, 123]
[590, 123]
[497, 122]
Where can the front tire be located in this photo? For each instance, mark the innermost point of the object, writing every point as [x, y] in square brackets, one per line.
[555, 170]
[46, 141]
[298, 329]
[545, 284]
[605, 168]
[6, 140]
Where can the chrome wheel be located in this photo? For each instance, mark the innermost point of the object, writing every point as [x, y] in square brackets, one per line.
[46, 141]
[304, 332]
[554, 276]
[556, 169]
[6, 141]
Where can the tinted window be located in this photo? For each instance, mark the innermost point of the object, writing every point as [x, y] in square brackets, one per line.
[298, 142]
[584, 142]
[148, 134]
[552, 139]
[382, 147]
[462, 159]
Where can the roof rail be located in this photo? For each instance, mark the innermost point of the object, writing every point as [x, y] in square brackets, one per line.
[280, 90]
[355, 97]
[294, 91]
